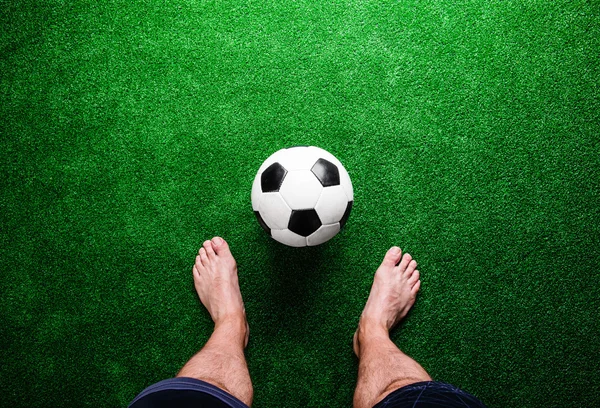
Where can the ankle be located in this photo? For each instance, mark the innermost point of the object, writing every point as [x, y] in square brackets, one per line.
[370, 329]
[232, 323]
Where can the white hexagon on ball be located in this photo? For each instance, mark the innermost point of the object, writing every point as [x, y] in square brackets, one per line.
[301, 189]
[274, 210]
[323, 234]
[332, 204]
[256, 193]
[346, 183]
[298, 158]
[289, 238]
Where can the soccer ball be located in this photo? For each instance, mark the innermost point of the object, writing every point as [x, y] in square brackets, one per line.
[302, 196]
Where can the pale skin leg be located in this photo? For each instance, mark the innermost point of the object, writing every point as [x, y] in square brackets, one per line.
[221, 361]
[383, 368]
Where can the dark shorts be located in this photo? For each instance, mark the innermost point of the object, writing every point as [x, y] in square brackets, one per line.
[429, 394]
[185, 392]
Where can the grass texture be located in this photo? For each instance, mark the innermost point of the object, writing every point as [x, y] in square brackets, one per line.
[131, 131]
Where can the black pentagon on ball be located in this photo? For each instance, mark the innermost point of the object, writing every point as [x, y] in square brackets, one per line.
[327, 173]
[346, 215]
[262, 223]
[272, 177]
[304, 222]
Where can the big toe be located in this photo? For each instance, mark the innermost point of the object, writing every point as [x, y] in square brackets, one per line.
[392, 257]
[220, 246]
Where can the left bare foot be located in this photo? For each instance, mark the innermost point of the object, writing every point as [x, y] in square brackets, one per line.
[216, 281]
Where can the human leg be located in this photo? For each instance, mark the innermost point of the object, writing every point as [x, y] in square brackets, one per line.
[383, 368]
[221, 361]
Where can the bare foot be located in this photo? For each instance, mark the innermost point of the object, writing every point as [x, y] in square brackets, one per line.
[392, 295]
[216, 281]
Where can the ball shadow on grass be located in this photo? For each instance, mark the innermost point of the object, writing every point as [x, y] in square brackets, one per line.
[297, 275]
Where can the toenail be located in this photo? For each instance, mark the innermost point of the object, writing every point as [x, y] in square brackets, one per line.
[395, 250]
[217, 241]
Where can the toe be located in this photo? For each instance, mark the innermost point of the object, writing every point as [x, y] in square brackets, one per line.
[392, 256]
[195, 270]
[404, 262]
[203, 256]
[210, 252]
[416, 288]
[412, 266]
[414, 278]
[220, 246]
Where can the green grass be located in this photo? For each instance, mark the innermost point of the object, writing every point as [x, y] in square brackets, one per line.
[130, 131]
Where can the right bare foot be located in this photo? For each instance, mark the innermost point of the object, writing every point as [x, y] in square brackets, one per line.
[216, 281]
[392, 295]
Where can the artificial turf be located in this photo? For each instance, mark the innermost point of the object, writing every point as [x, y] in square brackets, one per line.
[131, 132]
